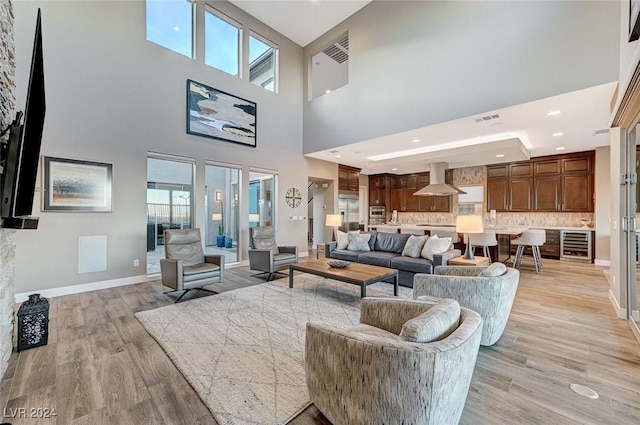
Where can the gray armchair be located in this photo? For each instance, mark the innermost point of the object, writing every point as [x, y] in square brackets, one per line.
[185, 266]
[373, 374]
[491, 296]
[265, 254]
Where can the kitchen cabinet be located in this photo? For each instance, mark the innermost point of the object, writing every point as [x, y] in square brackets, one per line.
[510, 187]
[378, 190]
[558, 183]
[348, 178]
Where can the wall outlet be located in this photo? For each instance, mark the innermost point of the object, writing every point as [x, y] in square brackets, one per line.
[136, 263]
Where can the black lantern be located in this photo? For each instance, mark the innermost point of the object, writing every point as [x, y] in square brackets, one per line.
[33, 322]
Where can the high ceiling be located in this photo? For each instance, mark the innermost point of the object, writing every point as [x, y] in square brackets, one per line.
[504, 135]
[301, 20]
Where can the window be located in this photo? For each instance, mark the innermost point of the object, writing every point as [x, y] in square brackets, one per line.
[221, 42]
[170, 24]
[330, 67]
[263, 57]
[222, 206]
[261, 193]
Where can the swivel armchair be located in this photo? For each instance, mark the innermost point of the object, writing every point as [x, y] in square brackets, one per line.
[186, 267]
[407, 362]
[265, 254]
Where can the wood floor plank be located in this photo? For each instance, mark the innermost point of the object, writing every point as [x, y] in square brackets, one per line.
[121, 385]
[78, 392]
[37, 407]
[36, 368]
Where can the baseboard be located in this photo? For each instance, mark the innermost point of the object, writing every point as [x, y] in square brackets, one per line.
[620, 312]
[603, 263]
[86, 287]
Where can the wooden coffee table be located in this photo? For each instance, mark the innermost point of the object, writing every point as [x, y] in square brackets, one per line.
[356, 273]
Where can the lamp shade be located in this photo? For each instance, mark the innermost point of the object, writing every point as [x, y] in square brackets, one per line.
[216, 217]
[469, 224]
[334, 220]
[254, 218]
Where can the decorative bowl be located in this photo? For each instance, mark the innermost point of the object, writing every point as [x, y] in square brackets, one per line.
[338, 264]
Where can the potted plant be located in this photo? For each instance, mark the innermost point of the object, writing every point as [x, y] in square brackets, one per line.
[220, 237]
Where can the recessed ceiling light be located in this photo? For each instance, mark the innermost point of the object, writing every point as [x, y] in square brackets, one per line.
[328, 91]
[176, 28]
[552, 113]
[338, 156]
[500, 155]
[415, 141]
[560, 148]
[394, 169]
[558, 134]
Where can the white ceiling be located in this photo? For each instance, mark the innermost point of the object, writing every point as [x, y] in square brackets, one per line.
[520, 132]
[301, 20]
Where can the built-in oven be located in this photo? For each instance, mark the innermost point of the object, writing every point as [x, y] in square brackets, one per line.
[377, 215]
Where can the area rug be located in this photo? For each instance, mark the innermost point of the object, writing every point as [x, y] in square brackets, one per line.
[243, 351]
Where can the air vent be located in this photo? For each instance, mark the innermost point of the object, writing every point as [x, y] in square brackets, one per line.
[339, 51]
[487, 118]
[603, 131]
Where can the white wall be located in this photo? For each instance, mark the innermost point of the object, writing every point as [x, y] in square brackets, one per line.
[418, 63]
[112, 97]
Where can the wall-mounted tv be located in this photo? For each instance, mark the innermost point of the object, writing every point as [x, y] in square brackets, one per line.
[20, 155]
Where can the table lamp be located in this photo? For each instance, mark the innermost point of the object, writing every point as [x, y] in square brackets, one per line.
[469, 224]
[254, 218]
[334, 220]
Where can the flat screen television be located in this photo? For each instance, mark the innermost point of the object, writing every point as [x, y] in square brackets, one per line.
[20, 156]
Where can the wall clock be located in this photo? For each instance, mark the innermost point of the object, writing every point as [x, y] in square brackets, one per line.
[294, 197]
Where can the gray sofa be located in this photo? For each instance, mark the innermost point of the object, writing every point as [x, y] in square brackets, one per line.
[386, 251]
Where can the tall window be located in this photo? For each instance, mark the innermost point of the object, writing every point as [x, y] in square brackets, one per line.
[263, 61]
[222, 42]
[261, 195]
[170, 24]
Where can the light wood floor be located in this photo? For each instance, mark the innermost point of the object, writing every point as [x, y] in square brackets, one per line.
[101, 367]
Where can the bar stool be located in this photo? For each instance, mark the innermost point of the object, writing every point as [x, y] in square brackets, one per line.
[485, 240]
[532, 238]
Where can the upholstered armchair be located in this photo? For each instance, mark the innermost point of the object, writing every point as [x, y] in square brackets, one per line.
[185, 266]
[491, 296]
[265, 254]
[380, 371]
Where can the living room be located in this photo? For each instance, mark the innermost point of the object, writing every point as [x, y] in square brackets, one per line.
[105, 81]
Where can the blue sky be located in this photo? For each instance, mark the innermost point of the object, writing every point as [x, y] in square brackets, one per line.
[169, 24]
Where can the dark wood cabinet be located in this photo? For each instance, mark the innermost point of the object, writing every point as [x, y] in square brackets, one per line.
[577, 192]
[510, 187]
[378, 190]
[498, 194]
[396, 199]
[401, 189]
[348, 178]
[546, 193]
[377, 197]
[559, 183]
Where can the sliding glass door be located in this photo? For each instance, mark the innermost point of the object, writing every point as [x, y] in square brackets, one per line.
[169, 204]
[262, 188]
[222, 210]
[632, 211]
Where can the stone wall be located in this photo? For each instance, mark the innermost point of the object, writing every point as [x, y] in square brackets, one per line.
[7, 237]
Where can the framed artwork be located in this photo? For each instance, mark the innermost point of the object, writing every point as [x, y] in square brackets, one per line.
[74, 185]
[219, 115]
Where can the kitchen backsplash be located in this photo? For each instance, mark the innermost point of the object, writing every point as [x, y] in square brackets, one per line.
[504, 219]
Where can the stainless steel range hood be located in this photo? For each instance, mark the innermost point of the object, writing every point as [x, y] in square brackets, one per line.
[437, 186]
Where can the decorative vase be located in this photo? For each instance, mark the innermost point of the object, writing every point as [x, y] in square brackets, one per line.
[228, 242]
[220, 241]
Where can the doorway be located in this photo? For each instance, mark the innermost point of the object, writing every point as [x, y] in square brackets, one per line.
[222, 211]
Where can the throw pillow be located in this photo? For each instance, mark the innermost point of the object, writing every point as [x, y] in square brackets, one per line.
[435, 245]
[343, 238]
[359, 242]
[495, 269]
[414, 246]
[434, 324]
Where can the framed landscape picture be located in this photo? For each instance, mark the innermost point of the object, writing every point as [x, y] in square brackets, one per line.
[219, 115]
[74, 185]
